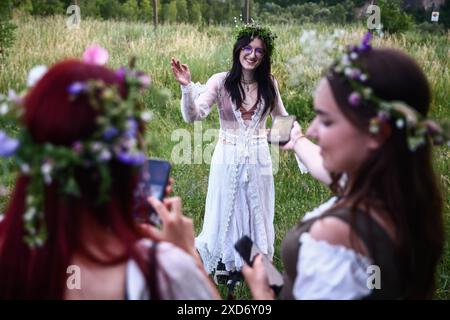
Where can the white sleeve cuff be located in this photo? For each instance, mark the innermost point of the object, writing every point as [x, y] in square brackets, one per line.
[301, 166]
[187, 88]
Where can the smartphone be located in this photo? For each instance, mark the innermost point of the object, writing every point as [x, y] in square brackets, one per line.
[280, 132]
[248, 251]
[153, 181]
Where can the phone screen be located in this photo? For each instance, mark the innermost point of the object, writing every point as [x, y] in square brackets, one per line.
[153, 181]
[159, 177]
[280, 132]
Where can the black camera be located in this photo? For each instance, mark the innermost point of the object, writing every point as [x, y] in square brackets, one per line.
[248, 251]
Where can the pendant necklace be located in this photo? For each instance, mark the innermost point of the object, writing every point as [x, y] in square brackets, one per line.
[247, 83]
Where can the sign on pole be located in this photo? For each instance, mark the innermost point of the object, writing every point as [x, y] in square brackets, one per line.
[435, 16]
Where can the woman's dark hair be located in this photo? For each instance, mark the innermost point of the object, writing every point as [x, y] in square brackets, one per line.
[266, 87]
[402, 181]
[50, 116]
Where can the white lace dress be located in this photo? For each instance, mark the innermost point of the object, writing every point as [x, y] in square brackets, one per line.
[240, 198]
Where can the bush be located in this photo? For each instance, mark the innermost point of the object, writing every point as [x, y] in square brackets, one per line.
[6, 28]
[393, 18]
[430, 28]
[6, 37]
[47, 8]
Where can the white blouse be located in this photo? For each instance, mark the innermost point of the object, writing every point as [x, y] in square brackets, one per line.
[178, 276]
[327, 271]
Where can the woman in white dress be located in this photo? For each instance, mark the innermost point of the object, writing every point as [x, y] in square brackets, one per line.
[240, 199]
[382, 236]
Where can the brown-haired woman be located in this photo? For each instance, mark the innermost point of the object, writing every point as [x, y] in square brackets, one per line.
[382, 235]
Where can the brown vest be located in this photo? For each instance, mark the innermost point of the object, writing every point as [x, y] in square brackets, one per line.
[381, 249]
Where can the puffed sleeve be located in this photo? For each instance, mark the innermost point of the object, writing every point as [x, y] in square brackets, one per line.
[326, 271]
[197, 99]
[179, 276]
[279, 109]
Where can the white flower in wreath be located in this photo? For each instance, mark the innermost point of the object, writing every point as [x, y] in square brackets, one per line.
[3, 108]
[35, 74]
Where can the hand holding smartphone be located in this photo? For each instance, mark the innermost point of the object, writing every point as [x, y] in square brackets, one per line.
[248, 252]
[280, 131]
[153, 181]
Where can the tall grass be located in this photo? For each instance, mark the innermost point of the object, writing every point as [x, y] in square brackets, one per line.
[207, 51]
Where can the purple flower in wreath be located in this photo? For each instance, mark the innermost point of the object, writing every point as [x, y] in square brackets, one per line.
[76, 88]
[432, 127]
[365, 43]
[133, 159]
[8, 146]
[354, 99]
[77, 147]
[383, 116]
[144, 80]
[132, 128]
[110, 133]
[355, 74]
[121, 73]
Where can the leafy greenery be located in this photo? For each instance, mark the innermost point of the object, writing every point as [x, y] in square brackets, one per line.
[399, 14]
[393, 18]
[6, 29]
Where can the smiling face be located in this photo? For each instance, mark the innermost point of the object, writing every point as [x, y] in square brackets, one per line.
[252, 54]
[343, 147]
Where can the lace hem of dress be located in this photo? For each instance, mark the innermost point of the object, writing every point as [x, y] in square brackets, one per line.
[211, 260]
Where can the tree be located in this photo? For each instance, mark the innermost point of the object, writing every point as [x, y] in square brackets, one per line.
[6, 28]
[444, 17]
[25, 6]
[45, 8]
[195, 14]
[172, 12]
[393, 18]
[182, 12]
[130, 10]
[208, 12]
[146, 12]
[90, 8]
[110, 9]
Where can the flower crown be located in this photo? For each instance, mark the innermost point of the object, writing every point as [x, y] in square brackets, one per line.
[116, 138]
[418, 129]
[253, 30]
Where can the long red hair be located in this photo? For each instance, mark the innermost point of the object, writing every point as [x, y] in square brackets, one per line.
[50, 116]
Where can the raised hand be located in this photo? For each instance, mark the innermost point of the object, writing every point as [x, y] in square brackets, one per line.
[181, 72]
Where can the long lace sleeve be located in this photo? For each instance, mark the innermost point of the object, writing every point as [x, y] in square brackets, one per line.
[197, 99]
[279, 109]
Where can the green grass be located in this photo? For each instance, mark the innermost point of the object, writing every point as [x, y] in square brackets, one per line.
[208, 50]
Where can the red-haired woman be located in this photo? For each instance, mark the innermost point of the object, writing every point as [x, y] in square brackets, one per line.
[69, 231]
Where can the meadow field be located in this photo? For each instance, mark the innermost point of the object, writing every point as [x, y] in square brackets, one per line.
[207, 50]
